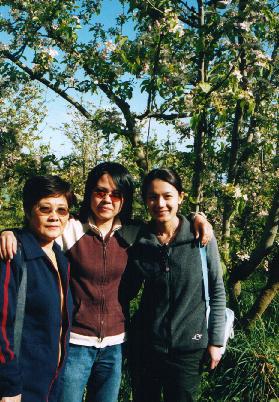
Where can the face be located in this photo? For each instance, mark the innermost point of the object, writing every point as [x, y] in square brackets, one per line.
[48, 218]
[106, 200]
[163, 201]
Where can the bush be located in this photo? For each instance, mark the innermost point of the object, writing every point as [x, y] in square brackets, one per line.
[249, 370]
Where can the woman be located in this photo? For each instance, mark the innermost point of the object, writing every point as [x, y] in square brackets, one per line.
[172, 312]
[34, 375]
[97, 246]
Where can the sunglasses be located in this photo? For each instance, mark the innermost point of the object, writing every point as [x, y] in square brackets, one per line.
[113, 195]
[47, 210]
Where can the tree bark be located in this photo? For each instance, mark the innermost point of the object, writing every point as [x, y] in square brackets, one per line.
[201, 129]
[232, 171]
[245, 269]
[266, 296]
[234, 152]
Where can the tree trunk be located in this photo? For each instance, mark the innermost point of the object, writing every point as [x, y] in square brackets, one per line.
[233, 159]
[267, 295]
[243, 270]
[133, 135]
[199, 163]
[232, 171]
[201, 129]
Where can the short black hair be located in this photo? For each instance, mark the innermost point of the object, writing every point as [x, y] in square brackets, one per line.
[38, 187]
[123, 181]
[164, 174]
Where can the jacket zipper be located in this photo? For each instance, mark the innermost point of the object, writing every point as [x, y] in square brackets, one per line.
[101, 332]
[166, 251]
[171, 303]
[66, 297]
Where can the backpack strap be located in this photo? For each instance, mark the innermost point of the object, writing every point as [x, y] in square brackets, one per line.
[20, 307]
[204, 274]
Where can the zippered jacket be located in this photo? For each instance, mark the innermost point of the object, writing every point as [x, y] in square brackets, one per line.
[97, 266]
[172, 310]
[35, 373]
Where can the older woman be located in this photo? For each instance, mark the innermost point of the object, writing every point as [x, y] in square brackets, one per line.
[34, 374]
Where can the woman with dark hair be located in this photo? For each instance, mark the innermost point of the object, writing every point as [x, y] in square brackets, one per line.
[172, 312]
[123, 182]
[97, 249]
[97, 246]
[39, 333]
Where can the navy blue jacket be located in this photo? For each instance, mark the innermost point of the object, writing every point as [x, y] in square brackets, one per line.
[35, 373]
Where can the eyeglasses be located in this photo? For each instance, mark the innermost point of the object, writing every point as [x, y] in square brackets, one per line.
[113, 195]
[47, 210]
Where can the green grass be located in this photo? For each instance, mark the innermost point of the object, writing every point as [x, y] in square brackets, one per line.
[249, 371]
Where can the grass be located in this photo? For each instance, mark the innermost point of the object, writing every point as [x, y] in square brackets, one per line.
[249, 370]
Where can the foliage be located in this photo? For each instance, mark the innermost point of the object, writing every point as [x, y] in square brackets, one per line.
[21, 113]
[252, 363]
[91, 144]
[207, 69]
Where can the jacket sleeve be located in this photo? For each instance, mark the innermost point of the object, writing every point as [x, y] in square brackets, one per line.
[73, 231]
[132, 279]
[217, 295]
[10, 375]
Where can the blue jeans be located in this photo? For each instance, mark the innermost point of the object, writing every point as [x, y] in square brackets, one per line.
[99, 369]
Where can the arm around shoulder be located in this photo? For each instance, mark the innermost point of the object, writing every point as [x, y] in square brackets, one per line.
[8, 244]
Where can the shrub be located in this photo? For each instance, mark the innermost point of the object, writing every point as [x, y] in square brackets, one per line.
[249, 370]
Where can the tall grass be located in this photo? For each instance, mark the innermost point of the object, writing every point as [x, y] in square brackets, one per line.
[249, 370]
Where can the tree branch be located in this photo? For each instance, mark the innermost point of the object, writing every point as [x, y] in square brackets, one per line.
[151, 94]
[243, 270]
[167, 117]
[54, 87]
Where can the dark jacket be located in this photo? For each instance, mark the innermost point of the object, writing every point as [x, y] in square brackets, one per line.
[172, 307]
[35, 373]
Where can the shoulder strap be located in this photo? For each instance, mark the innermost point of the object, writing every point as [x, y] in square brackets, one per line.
[204, 274]
[20, 307]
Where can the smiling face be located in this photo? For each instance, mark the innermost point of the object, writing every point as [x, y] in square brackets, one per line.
[48, 218]
[106, 200]
[163, 200]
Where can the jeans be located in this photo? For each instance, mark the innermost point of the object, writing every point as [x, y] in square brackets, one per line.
[99, 369]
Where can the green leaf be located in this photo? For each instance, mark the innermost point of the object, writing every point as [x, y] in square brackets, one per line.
[205, 87]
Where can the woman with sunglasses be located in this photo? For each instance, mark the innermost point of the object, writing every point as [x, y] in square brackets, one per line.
[97, 246]
[39, 334]
[172, 312]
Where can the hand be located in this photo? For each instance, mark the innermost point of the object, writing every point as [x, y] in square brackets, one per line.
[8, 245]
[215, 355]
[202, 229]
[16, 398]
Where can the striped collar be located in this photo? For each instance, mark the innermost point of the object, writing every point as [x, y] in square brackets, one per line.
[115, 226]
